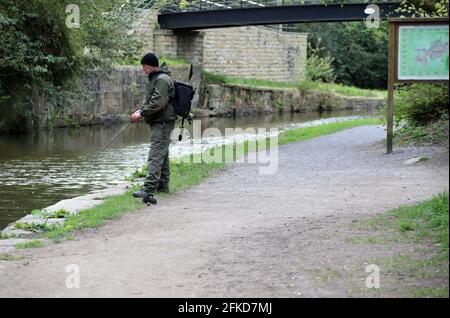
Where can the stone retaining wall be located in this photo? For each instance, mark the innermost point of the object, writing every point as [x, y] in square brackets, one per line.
[111, 99]
[240, 100]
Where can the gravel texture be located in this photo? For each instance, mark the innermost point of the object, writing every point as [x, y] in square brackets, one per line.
[243, 234]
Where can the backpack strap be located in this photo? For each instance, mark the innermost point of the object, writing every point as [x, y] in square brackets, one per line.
[157, 74]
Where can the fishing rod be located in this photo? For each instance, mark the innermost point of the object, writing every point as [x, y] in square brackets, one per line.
[115, 137]
[131, 121]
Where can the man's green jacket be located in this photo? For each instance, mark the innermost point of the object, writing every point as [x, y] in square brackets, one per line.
[159, 91]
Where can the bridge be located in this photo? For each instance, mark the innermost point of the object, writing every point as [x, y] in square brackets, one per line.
[205, 14]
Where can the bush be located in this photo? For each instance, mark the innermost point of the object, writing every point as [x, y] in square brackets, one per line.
[421, 104]
[434, 133]
[319, 68]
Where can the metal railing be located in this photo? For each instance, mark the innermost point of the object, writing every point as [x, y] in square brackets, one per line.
[136, 9]
[140, 4]
[208, 5]
[178, 6]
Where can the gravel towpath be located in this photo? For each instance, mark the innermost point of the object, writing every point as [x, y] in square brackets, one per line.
[244, 234]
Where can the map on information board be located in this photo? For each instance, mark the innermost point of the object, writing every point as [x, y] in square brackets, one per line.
[423, 52]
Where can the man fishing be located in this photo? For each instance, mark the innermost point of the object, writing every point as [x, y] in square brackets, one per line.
[157, 111]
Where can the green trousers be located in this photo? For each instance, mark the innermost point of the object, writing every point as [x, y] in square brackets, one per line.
[158, 158]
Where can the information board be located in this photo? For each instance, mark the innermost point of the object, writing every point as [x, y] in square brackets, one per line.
[422, 52]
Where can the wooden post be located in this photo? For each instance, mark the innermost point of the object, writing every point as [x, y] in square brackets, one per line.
[391, 74]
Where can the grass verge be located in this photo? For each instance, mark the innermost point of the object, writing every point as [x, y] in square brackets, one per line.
[425, 223]
[31, 244]
[184, 174]
[211, 78]
[341, 89]
[162, 59]
[8, 257]
[434, 133]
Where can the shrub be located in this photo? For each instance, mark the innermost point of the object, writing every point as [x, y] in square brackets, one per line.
[318, 67]
[434, 133]
[420, 104]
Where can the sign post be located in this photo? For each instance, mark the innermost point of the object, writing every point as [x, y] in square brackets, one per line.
[418, 53]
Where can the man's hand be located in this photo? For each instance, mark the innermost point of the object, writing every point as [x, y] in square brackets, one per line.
[136, 116]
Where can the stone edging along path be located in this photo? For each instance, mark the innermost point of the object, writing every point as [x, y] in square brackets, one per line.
[72, 206]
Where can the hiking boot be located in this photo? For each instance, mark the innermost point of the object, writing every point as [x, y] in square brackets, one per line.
[164, 189]
[149, 199]
[139, 194]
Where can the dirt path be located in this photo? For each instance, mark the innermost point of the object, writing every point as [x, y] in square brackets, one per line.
[242, 234]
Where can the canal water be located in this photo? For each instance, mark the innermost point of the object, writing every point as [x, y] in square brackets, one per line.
[42, 168]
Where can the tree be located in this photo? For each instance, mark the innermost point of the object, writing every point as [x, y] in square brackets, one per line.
[425, 8]
[359, 54]
[39, 54]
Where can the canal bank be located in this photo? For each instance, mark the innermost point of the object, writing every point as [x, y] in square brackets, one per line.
[39, 169]
[43, 220]
[245, 234]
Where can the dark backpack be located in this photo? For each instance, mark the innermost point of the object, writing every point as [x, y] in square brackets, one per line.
[182, 102]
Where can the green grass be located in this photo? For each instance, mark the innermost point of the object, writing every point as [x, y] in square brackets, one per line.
[422, 265]
[61, 213]
[424, 273]
[422, 222]
[430, 134]
[58, 214]
[172, 61]
[372, 240]
[211, 78]
[31, 244]
[37, 212]
[424, 292]
[427, 220]
[162, 59]
[113, 207]
[425, 223]
[7, 257]
[32, 227]
[184, 173]
[341, 89]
